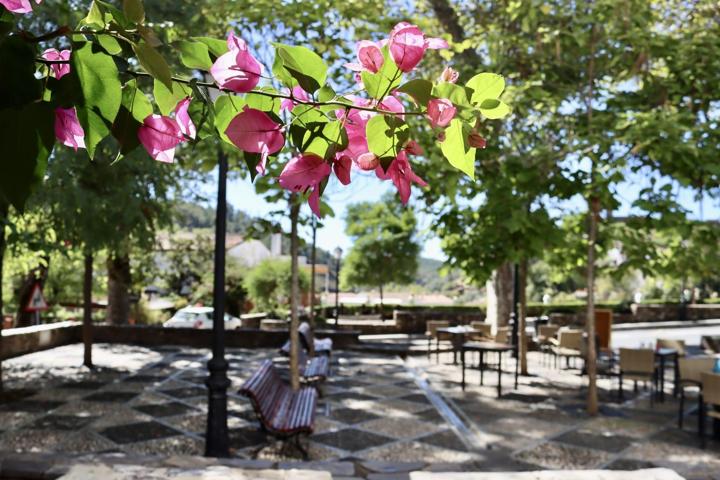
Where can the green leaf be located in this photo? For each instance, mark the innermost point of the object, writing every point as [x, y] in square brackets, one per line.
[325, 140]
[18, 84]
[386, 135]
[134, 10]
[101, 89]
[95, 16]
[379, 84]
[135, 101]
[167, 99]
[7, 21]
[27, 136]
[456, 149]
[110, 44]
[263, 102]
[153, 63]
[485, 85]
[226, 108]
[303, 65]
[112, 14]
[215, 46]
[252, 160]
[326, 94]
[124, 129]
[419, 89]
[195, 55]
[494, 109]
[203, 116]
[307, 114]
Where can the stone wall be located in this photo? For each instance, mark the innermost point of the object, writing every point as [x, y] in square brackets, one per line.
[240, 338]
[21, 341]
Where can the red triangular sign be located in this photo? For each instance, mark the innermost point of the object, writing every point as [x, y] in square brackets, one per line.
[37, 300]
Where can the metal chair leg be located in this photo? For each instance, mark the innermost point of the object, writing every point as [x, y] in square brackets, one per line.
[681, 411]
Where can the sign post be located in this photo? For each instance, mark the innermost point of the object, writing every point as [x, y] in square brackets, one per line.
[37, 303]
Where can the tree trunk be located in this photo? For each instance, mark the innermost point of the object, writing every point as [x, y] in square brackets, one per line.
[591, 361]
[294, 291]
[313, 259]
[500, 296]
[522, 313]
[382, 308]
[448, 19]
[118, 309]
[3, 221]
[87, 310]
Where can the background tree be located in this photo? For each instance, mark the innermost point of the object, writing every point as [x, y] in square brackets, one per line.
[269, 285]
[384, 247]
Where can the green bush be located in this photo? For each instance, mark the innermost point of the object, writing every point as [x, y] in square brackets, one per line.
[268, 285]
[235, 292]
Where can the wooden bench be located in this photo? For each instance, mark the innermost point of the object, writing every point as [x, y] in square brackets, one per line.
[314, 371]
[312, 345]
[283, 413]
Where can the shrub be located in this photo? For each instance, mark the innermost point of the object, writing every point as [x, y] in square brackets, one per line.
[268, 285]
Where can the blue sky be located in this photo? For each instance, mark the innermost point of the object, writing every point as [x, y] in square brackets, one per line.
[366, 187]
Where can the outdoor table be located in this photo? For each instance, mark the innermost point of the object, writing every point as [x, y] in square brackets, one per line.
[663, 354]
[457, 337]
[482, 347]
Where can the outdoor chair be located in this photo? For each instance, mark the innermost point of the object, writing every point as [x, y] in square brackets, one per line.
[568, 345]
[710, 344]
[691, 369]
[545, 334]
[678, 345]
[431, 327]
[710, 396]
[483, 331]
[503, 335]
[638, 365]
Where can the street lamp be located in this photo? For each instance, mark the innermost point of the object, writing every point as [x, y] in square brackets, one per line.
[338, 255]
[217, 441]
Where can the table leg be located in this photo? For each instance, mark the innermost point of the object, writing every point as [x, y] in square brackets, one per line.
[676, 382]
[482, 366]
[499, 386]
[662, 378]
[462, 359]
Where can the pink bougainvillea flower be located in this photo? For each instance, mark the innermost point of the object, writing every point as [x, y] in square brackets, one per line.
[59, 69]
[440, 112]
[314, 201]
[68, 130]
[402, 176]
[449, 75]
[476, 140]
[369, 56]
[408, 44]
[254, 131]
[18, 6]
[367, 161]
[413, 148]
[342, 166]
[392, 104]
[160, 135]
[236, 70]
[298, 94]
[303, 172]
[187, 127]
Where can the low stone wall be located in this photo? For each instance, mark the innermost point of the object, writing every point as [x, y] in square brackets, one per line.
[645, 314]
[21, 341]
[414, 322]
[192, 337]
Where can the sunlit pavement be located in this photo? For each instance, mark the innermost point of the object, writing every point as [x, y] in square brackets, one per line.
[376, 411]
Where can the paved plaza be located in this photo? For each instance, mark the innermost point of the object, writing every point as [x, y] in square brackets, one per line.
[377, 412]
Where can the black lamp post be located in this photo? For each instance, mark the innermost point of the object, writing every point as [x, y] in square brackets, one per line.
[338, 255]
[217, 442]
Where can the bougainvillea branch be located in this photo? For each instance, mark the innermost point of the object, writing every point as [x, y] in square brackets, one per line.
[80, 98]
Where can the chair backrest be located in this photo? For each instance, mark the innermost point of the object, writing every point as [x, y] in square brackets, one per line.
[485, 329]
[265, 389]
[711, 387]
[692, 367]
[571, 339]
[637, 360]
[431, 326]
[678, 345]
[503, 335]
[547, 331]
